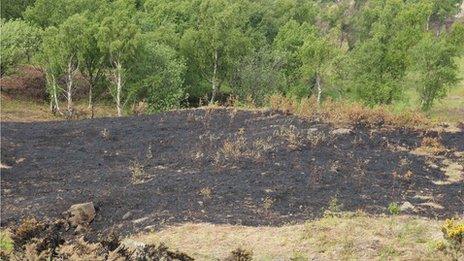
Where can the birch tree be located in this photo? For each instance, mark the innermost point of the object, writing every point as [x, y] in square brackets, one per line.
[287, 45]
[92, 59]
[435, 65]
[216, 42]
[119, 38]
[318, 58]
[158, 78]
[52, 62]
[70, 39]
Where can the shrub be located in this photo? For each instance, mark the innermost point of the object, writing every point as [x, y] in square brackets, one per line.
[291, 135]
[6, 244]
[316, 138]
[268, 202]
[453, 232]
[334, 208]
[431, 146]
[238, 148]
[240, 254]
[105, 133]
[27, 230]
[344, 112]
[137, 172]
[394, 208]
[432, 143]
[206, 192]
[19, 42]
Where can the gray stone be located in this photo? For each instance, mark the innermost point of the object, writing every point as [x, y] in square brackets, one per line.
[341, 131]
[406, 206]
[81, 214]
[127, 215]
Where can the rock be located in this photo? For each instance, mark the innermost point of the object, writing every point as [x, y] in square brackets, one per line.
[140, 220]
[127, 215]
[132, 244]
[80, 229]
[341, 131]
[81, 214]
[406, 206]
[4, 166]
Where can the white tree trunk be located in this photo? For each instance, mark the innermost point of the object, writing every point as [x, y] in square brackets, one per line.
[118, 87]
[214, 80]
[428, 23]
[319, 88]
[69, 85]
[90, 96]
[55, 97]
[55, 107]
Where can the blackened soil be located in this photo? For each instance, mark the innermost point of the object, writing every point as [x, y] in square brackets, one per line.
[183, 166]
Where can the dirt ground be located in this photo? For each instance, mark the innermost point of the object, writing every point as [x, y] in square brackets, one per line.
[222, 166]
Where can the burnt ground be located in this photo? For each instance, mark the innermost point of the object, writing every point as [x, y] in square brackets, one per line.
[187, 168]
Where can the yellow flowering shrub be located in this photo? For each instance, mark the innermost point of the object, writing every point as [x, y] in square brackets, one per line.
[453, 230]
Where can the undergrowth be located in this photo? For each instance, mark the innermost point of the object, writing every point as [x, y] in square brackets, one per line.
[346, 112]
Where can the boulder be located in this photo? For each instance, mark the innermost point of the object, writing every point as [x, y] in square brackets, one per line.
[406, 206]
[80, 215]
[341, 131]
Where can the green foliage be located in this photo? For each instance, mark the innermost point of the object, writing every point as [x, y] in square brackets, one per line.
[386, 32]
[434, 62]
[319, 57]
[394, 208]
[259, 74]
[47, 13]
[13, 9]
[48, 57]
[162, 51]
[287, 45]
[158, 78]
[119, 37]
[6, 244]
[216, 42]
[20, 40]
[92, 58]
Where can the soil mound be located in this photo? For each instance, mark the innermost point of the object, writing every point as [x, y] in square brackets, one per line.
[224, 166]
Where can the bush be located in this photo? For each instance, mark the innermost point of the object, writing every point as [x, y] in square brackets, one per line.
[19, 41]
[453, 232]
[347, 112]
[159, 82]
[394, 208]
[240, 254]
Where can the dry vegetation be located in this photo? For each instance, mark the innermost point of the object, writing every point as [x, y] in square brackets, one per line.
[348, 236]
[36, 240]
[32, 111]
[338, 235]
[138, 172]
[430, 146]
[238, 148]
[344, 112]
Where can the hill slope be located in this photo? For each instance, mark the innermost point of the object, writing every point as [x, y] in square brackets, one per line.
[223, 166]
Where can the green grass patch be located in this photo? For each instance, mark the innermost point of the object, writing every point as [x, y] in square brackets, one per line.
[6, 244]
